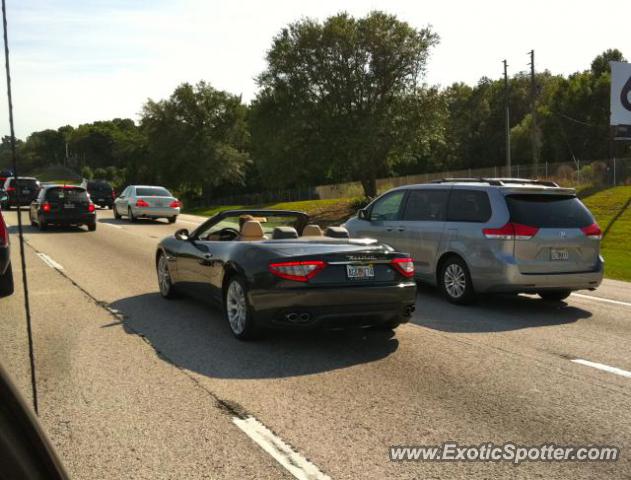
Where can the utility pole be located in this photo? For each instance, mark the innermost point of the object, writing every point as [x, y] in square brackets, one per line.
[534, 132]
[507, 115]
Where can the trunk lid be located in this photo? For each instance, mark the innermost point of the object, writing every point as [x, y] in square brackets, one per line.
[68, 201]
[559, 244]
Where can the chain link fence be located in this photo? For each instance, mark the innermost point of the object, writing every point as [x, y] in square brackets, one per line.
[577, 174]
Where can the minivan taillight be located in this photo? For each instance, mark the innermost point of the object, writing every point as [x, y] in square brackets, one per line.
[297, 271]
[593, 231]
[511, 231]
[405, 266]
[141, 203]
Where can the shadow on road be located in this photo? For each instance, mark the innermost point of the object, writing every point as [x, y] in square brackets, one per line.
[194, 335]
[139, 222]
[491, 313]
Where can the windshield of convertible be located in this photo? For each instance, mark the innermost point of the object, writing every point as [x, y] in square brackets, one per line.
[229, 227]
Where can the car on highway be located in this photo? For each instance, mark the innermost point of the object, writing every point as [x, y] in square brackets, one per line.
[101, 192]
[6, 272]
[471, 236]
[263, 273]
[63, 205]
[147, 201]
[26, 188]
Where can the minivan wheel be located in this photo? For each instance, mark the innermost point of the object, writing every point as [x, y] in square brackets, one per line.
[455, 282]
[555, 295]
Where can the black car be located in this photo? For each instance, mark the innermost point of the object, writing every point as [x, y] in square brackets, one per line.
[6, 274]
[101, 193]
[27, 187]
[254, 264]
[63, 205]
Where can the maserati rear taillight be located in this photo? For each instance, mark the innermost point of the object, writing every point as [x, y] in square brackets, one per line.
[405, 266]
[141, 203]
[511, 231]
[593, 231]
[297, 271]
[4, 233]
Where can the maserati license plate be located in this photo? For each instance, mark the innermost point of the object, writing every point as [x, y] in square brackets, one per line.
[360, 272]
[559, 254]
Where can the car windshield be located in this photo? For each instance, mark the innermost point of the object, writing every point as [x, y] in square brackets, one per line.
[548, 211]
[152, 192]
[267, 221]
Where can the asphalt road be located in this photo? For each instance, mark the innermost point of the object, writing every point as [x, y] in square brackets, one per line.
[134, 386]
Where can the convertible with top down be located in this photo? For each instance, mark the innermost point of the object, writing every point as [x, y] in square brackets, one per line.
[270, 268]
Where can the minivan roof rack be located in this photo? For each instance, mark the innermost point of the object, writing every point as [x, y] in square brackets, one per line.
[499, 182]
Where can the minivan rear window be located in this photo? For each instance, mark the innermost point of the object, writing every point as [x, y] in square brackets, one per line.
[66, 195]
[548, 211]
[152, 192]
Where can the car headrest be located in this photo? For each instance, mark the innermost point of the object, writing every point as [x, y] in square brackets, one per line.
[312, 231]
[252, 230]
[280, 233]
[336, 232]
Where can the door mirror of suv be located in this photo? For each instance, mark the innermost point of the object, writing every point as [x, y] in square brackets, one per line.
[182, 234]
[362, 214]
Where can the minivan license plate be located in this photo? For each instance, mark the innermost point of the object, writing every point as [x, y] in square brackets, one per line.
[360, 272]
[559, 254]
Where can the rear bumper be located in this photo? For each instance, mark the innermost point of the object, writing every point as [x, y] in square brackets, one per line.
[511, 280]
[333, 307]
[68, 219]
[155, 212]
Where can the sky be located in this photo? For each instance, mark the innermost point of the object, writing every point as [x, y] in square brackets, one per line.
[77, 61]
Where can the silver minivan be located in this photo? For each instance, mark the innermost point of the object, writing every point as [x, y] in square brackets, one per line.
[471, 236]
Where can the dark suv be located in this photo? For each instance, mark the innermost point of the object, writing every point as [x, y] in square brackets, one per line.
[6, 275]
[101, 192]
[63, 205]
[27, 187]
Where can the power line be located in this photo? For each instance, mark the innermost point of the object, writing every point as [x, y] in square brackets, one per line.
[27, 306]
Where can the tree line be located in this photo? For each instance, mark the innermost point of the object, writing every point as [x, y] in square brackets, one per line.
[339, 100]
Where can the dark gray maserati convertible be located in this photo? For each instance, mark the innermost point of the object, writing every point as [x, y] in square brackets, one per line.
[270, 268]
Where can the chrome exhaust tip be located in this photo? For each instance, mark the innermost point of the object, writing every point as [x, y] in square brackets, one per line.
[305, 317]
[292, 317]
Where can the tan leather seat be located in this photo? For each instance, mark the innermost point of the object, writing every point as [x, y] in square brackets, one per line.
[312, 231]
[252, 230]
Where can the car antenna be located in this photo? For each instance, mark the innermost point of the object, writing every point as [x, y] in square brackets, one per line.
[27, 306]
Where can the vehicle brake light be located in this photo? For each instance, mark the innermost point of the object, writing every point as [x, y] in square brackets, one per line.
[11, 189]
[405, 266]
[298, 271]
[91, 207]
[46, 207]
[593, 231]
[4, 234]
[511, 231]
[175, 204]
[113, 194]
[141, 203]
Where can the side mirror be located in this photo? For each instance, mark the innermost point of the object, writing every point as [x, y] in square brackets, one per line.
[362, 214]
[182, 234]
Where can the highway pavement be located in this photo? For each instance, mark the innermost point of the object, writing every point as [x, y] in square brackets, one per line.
[134, 386]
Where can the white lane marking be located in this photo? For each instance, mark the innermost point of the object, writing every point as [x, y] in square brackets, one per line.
[49, 261]
[601, 299]
[111, 225]
[602, 366]
[295, 463]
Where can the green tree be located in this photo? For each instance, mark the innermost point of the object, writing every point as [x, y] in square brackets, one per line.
[341, 99]
[197, 138]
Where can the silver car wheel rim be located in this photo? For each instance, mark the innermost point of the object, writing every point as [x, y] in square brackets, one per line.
[455, 280]
[236, 307]
[163, 276]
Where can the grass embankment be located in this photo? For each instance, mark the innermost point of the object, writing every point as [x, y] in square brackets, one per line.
[612, 210]
[610, 207]
[323, 212]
